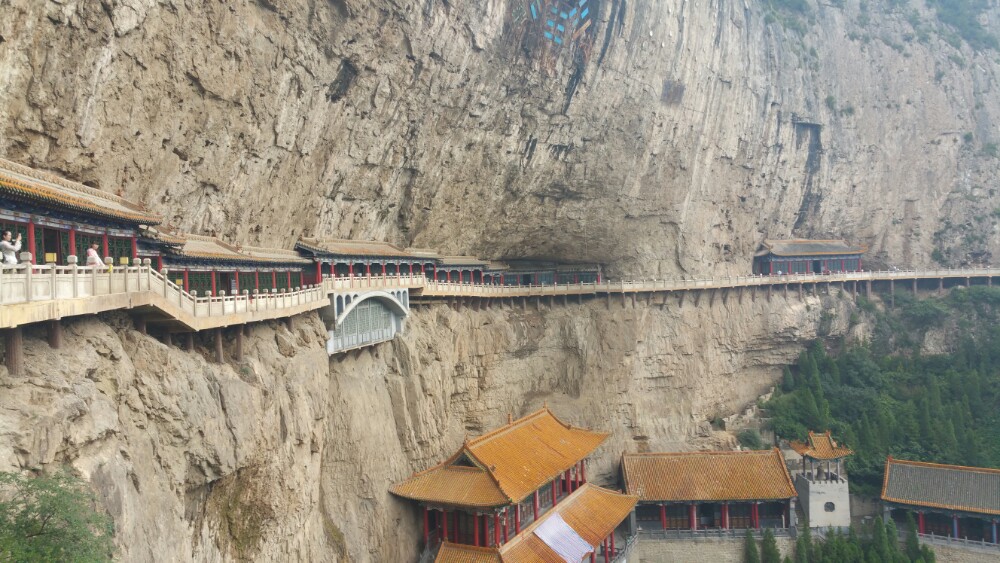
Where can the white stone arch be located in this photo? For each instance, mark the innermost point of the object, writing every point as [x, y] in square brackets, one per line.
[388, 299]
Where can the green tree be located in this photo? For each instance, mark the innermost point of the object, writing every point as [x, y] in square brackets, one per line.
[880, 543]
[912, 542]
[769, 548]
[52, 519]
[750, 554]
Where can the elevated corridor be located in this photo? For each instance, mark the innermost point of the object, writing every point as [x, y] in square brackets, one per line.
[46, 293]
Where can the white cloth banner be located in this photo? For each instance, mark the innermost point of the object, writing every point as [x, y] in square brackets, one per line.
[557, 534]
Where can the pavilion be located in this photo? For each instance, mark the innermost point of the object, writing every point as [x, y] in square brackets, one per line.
[710, 490]
[352, 258]
[58, 218]
[583, 524]
[948, 500]
[821, 483]
[495, 485]
[801, 256]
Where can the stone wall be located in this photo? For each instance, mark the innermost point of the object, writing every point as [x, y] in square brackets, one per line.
[951, 554]
[699, 550]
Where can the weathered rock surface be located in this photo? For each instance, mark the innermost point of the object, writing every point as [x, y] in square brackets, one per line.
[290, 458]
[671, 138]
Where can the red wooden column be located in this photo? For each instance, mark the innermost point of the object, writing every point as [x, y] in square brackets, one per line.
[274, 279]
[104, 243]
[534, 504]
[555, 494]
[496, 528]
[213, 284]
[607, 556]
[725, 516]
[187, 284]
[289, 274]
[368, 269]
[663, 516]
[427, 529]
[921, 524]
[350, 270]
[256, 280]
[72, 243]
[692, 516]
[475, 529]
[583, 471]
[444, 525]
[755, 514]
[569, 483]
[135, 247]
[455, 520]
[593, 556]
[319, 272]
[506, 525]
[517, 519]
[31, 242]
[612, 543]
[448, 276]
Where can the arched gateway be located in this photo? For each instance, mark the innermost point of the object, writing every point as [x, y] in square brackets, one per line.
[359, 319]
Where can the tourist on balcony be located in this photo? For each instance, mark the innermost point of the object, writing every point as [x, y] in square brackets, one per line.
[9, 248]
[93, 258]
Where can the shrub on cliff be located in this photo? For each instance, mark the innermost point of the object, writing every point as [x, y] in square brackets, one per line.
[52, 519]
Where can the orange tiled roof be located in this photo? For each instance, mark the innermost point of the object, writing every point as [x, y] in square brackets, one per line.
[198, 246]
[820, 446]
[807, 247]
[455, 553]
[592, 512]
[27, 183]
[347, 247]
[935, 485]
[507, 464]
[707, 476]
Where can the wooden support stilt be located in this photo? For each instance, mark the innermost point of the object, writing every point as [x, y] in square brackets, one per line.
[769, 289]
[289, 324]
[697, 297]
[524, 303]
[741, 290]
[711, 296]
[168, 338]
[785, 288]
[579, 298]
[538, 303]
[914, 286]
[140, 324]
[649, 298]
[633, 300]
[680, 301]
[246, 330]
[239, 344]
[892, 293]
[868, 289]
[189, 342]
[219, 357]
[989, 281]
[15, 351]
[801, 289]
[55, 334]
[940, 286]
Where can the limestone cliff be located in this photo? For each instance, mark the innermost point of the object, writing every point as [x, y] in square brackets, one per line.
[288, 455]
[669, 137]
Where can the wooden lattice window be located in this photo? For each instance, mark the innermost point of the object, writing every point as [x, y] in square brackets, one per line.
[200, 282]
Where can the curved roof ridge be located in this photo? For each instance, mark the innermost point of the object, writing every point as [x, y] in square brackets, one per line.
[509, 426]
[890, 459]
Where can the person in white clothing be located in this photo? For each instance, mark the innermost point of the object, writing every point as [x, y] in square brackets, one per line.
[93, 258]
[10, 248]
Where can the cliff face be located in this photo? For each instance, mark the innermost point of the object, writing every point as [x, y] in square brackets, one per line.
[289, 455]
[669, 137]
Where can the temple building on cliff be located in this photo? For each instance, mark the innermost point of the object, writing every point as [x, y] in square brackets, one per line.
[517, 493]
[694, 491]
[800, 256]
[946, 500]
[57, 218]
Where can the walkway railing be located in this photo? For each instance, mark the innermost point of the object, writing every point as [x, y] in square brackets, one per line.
[964, 543]
[713, 533]
[120, 287]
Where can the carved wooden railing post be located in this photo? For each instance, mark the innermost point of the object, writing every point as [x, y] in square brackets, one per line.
[28, 271]
[74, 271]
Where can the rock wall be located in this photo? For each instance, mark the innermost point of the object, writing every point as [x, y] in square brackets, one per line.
[288, 455]
[669, 137]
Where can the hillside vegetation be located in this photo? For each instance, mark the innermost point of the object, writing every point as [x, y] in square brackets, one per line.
[888, 398]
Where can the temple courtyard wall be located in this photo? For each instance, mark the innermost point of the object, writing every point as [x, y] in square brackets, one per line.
[700, 550]
[959, 554]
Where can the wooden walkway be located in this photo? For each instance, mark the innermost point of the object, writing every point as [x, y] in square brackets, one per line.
[46, 293]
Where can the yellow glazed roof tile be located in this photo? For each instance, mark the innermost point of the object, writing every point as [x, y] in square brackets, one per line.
[820, 446]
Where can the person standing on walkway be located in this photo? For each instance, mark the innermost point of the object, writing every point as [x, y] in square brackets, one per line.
[93, 258]
[10, 248]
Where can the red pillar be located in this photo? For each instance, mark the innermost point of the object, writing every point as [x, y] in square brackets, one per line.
[583, 472]
[72, 244]
[663, 516]
[159, 263]
[755, 515]
[319, 272]
[921, 524]
[135, 247]
[496, 528]
[455, 519]
[593, 556]
[517, 519]
[607, 556]
[460, 276]
[427, 529]
[368, 269]
[104, 242]
[475, 530]
[256, 280]
[350, 270]
[187, 285]
[725, 516]
[448, 276]
[274, 279]
[692, 516]
[31, 242]
[576, 479]
[289, 275]
[213, 284]
[444, 524]
[555, 493]
[567, 482]
[843, 266]
[236, 278]
[612, 543]
[534, 504]
[506, 525]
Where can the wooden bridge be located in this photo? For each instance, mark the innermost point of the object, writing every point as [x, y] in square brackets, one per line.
[46, 294]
